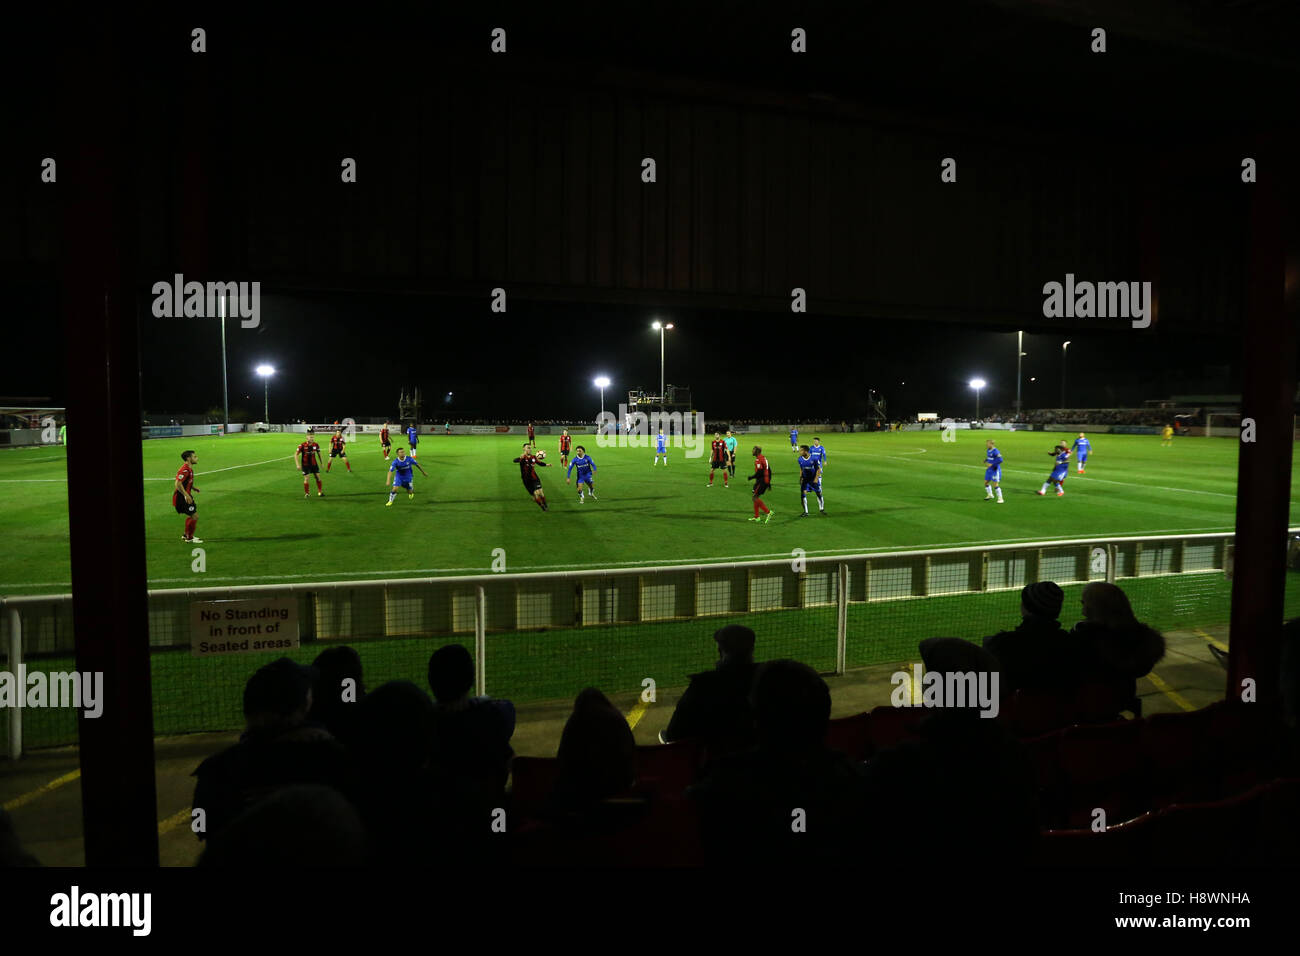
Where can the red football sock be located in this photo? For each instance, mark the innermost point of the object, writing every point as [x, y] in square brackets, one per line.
[306, 486]
[765, 508]
[349, 464]
[755, 507]
[189, 527]
[318, 484]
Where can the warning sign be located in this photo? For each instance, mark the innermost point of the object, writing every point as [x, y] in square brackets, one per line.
[243, 627]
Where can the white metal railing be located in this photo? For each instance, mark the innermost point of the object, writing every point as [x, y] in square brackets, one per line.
[511, 602]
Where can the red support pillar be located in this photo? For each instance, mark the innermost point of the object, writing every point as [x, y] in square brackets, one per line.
[105, 499]
[1268, 398]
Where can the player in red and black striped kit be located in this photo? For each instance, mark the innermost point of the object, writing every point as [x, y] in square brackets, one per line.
[565, 443]
[338, 449]
[762, 479]
[532, 439]
[385, 442]
[719, 460]
[528, 464]
[183, 497]
[307, 458]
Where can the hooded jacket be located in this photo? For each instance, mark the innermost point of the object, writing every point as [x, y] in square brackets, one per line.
[1113, 655]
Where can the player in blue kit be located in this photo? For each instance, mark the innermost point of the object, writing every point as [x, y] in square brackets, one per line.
[661, 448]
[794, 440]
[400, 475]
[992, 472]
[810, 479]
[818, 452]
[1059, 471]
[586, 472]
[1081, 448]
[413, 437]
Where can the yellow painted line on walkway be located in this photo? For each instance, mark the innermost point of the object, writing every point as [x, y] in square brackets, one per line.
[179, 818]
[1217, 643]
[41, 791]
[637, 712]
[1169, 692]
[915, 685]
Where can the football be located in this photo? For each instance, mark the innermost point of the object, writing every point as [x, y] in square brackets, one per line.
[541, 456]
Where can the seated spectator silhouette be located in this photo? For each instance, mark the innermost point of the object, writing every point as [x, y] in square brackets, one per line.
[596, 765]
[298, 826]
[1114, 648]
[966, 790]
[470, 737]
[1038, 653]
[715, 706]
[409, 819]
[278, 748]
[331, 707]
[789, 799]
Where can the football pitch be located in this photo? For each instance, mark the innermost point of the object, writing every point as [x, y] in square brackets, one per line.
[883, 492]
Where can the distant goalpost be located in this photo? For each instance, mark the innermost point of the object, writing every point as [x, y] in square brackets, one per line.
[31, 427]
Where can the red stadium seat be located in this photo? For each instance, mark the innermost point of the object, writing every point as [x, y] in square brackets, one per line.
[532, 780]
[670, 768]
[1034, 713]
[1119, 845]
[660, 833]
[1217, 832]
[1211, 753]
[1103, 766]
[851, 736]
[1177, 748]
[1281, 825]
[666, 769]
[890, 726]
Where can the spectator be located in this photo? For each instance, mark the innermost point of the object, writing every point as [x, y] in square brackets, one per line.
[296, 827]
[399, 799]
[333, 704]
[966, 790]
[790, 799]
[470, 739]
[715, 706]
[597, 755]
[1038, 653]
[277, 749]
[1114, 647]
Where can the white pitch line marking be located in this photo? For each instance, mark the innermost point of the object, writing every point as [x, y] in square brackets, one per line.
[872, 552]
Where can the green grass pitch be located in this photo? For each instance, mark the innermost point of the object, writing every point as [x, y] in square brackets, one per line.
[884, 491]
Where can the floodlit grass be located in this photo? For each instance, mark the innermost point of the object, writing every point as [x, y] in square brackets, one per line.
[883, 492]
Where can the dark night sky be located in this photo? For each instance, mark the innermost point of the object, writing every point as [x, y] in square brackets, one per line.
[342, 354]
[350, 354]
